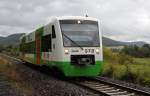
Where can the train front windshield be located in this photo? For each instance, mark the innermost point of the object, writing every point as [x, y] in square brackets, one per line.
[84, 33]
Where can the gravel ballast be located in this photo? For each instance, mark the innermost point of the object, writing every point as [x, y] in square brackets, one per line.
[6, 89]
[45, 85]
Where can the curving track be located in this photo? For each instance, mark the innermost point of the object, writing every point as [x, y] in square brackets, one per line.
[104, 86]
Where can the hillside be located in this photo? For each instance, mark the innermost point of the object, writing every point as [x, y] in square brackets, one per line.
[10, 40]
[111, 42]
[14, 39]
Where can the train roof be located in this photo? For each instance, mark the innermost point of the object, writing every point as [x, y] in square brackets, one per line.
[76, 18]
[65, 18]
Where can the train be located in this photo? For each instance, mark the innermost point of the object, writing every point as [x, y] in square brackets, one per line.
[70, 44]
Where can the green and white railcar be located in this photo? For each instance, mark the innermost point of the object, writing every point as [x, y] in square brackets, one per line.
[72, 44]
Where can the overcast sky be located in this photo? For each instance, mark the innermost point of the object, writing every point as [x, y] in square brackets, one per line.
[125, 20]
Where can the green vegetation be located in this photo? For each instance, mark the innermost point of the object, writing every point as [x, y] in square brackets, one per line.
[10, 50]
[144, 61]
[124, 67]
[136, 51]
[1, 48]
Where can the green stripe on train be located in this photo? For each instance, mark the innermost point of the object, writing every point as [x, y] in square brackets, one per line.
[72, 70]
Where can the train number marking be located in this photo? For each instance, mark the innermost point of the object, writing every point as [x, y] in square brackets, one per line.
[89, 50]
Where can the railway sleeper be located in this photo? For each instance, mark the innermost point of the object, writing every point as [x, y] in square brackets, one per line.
[115, 90]
[108, 88]
[96, 85]
[118, 93]
[89, 82]
[130, 94]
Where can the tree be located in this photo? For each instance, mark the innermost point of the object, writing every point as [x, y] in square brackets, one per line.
[136, 51]
[1, 48]
[147, 46]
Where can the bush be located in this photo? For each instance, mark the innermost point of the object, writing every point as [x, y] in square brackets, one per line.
[125, 59]
[145, 81]
[116, 58]
[108, 70]
[1, 48]
[109, 56]
[124, 67]
[128, 75]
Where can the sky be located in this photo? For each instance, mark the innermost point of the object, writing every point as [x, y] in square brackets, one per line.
[124, 20]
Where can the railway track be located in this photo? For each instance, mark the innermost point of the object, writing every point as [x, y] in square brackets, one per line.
[104, 86]
[108, 88]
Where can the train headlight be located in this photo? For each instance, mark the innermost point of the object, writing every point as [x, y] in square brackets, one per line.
[66, 51]
[97, 51]
[79, 21]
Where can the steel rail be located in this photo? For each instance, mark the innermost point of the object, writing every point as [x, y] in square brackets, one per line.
[101, 85]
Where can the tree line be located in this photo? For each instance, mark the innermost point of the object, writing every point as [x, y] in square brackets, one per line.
[10, 49]
[136, 51]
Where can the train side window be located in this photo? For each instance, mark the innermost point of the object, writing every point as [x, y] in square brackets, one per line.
[53, 32]
[46, 43]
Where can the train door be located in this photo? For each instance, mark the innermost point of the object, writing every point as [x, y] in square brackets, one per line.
[38, 49]
[53, 43]
[46, 47]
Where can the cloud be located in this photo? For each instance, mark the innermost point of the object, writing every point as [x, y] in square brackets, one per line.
[125, 20]
[5, 30]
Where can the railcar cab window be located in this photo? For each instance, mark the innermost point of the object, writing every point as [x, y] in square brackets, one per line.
[84, 32]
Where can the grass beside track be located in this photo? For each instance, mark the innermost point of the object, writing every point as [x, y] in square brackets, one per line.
[138, 72]
[9, 70]
[143, 61]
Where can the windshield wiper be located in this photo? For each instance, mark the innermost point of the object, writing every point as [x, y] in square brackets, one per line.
[72, 41]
